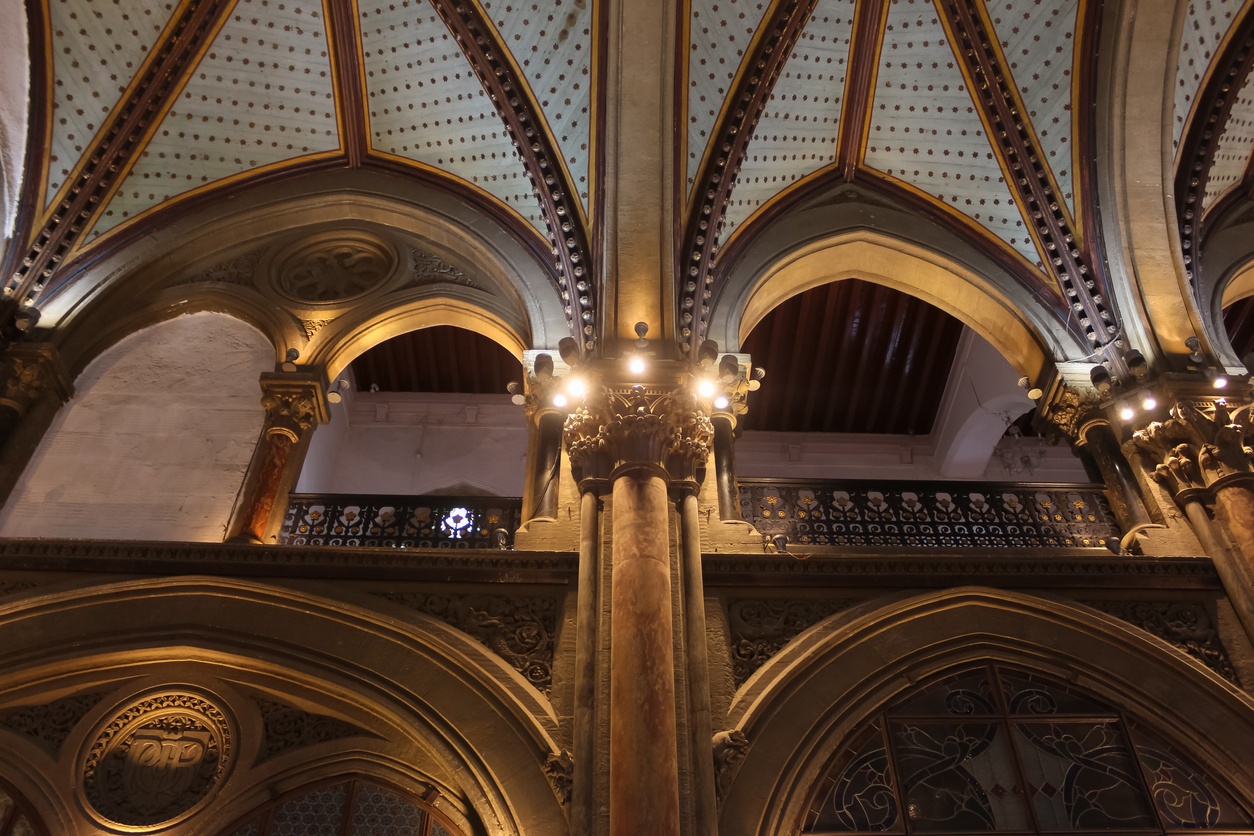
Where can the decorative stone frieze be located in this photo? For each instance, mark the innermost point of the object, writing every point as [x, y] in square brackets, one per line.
[157, 760]
[616, 430]
[287, 727]
[49, 724]
[518, 629]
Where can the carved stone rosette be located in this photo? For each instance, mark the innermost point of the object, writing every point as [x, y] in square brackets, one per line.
[641, 428]
[1199, 450]
[157, 759]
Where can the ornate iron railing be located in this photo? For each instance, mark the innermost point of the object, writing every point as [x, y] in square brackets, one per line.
[459, 522]
[988, 515]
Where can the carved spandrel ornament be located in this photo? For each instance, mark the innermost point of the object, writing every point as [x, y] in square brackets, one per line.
[287, 727]
[761, 628]
[518, 629]
[332, 268]
[429, 268]
[1185, 624]
[615, 429]
[157, 760]
[49, 724]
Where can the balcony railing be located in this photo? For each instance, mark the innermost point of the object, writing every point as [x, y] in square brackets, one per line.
[926, 515]
[459, 522]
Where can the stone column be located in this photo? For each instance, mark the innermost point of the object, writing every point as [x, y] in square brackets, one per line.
[294, 405]
[544, 450]
[1200, 457]
[33, 385]
[725, 466]
[637, 438]
[1099, 439]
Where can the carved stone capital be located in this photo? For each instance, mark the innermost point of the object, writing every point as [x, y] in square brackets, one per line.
[293, 404]
[1069, 409]
[27, 372]
[539, 397]
[1201, 445]
[640, 428]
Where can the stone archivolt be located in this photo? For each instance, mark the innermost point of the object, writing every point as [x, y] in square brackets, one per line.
[621, 429]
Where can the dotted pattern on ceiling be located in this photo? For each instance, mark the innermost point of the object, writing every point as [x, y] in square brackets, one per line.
[800, 126]
[552, 43]
[1233, 152]
[720, 32]
[262, 94]
[926, 131]
[1039, 44]
[427, 104]
[1205, 24]
[97, 47]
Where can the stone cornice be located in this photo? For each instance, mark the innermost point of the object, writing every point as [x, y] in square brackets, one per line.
[304, 562]
[1035, 569]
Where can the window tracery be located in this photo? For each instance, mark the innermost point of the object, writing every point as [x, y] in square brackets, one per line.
[993, 748]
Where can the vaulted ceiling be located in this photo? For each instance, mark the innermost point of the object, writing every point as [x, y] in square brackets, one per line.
[977, 115]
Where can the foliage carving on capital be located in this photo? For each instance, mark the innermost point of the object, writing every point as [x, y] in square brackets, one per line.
[292, 406]
[1071, 409]
[1197, 447]
[638, 427]
[26, 374]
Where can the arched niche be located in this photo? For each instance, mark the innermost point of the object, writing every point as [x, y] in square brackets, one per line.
[915, 270]
[803, 704]
[1227, 270]
[431, 711]
[155, 441]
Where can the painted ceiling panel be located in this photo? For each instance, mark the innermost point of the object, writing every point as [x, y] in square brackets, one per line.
[720, 32]
[263, 93]
[1205, 24]
[427, 104]
[1039, 44]
[552, 43]
[926, 131]
[97, 48]
[799, 128]
[1235, 143]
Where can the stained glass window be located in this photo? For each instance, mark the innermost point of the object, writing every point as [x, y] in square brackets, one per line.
[355, 808]
[995, 749]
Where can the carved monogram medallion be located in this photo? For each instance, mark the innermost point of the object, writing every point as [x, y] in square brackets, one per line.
[158, 759]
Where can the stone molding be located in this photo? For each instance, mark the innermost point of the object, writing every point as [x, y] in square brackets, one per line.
[619, 430]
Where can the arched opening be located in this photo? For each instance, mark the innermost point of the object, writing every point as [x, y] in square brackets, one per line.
[17, 817]
[994, 747]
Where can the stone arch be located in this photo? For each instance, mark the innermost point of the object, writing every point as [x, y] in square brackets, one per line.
[427, 692]
[102, 469]
[796, 709]
[910, 268]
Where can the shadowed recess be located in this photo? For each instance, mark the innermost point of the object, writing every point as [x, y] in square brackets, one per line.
[1239, 323]
[442, 359]
[852, 357]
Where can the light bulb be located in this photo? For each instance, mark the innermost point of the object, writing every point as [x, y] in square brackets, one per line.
[1149, 403]
[705, 388]
[636, 365]
[559, 400]
[1127, 413]
[721, 402]
[1219, 382]
[576, 388]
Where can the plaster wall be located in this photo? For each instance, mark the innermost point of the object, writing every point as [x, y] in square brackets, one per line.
[156, 440]
[415, 444]
[14, 88]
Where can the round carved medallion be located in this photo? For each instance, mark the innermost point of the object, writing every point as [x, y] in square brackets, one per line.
[333, 267]
[157, 760]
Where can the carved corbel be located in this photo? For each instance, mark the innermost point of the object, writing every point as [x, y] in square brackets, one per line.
[730, 750]
[28, 371]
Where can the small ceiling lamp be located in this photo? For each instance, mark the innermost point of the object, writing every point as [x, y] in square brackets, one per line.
[1150, 402]
[1100, 375]
[576, 388]
[705, 388]
[516, 396]
[636, 364]
[1126, 412]
[1136, 363]
[289, 360]
[336, 393]
[721, 402]
[559, 400]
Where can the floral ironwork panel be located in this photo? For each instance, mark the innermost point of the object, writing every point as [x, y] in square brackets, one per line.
[994, 748]
[929, 515]
[463, 522]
